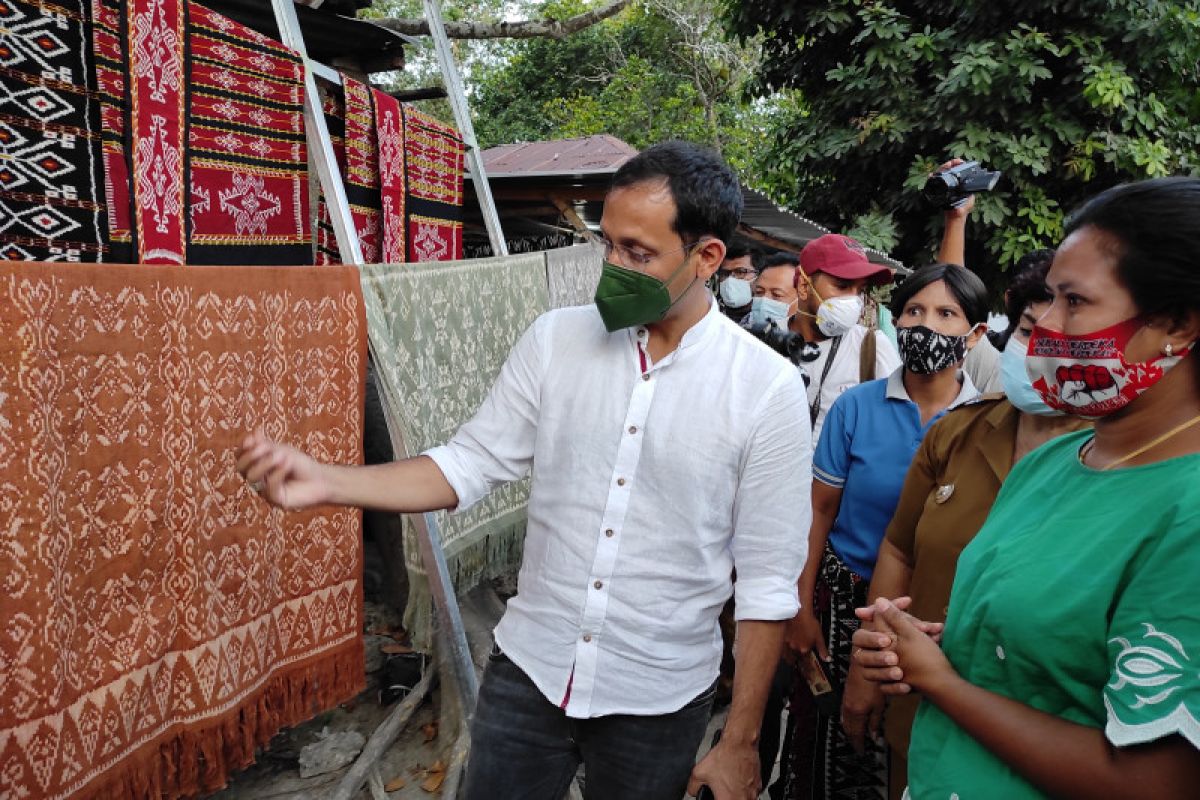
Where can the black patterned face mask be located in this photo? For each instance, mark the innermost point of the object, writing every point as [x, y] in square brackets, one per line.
[925, 351]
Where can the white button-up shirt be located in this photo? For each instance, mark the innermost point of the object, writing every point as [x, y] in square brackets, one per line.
[649, 488]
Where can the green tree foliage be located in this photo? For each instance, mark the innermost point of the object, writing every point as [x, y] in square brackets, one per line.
[662, 69]
[1066, 97]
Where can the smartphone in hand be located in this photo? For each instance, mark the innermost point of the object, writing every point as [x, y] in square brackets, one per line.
[820, 684]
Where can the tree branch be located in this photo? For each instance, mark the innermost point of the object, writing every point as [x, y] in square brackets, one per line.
[521, 29]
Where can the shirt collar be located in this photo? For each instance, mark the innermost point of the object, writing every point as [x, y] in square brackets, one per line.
[693, 335]
[896, 390]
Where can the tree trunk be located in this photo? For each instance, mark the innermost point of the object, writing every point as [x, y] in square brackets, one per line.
[522, 29]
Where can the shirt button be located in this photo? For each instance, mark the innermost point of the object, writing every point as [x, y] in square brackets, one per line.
[645, 376]
[609, 533]
[587, 637]
[999, 652]
[633, 428]
[598, 584]
[620, 481]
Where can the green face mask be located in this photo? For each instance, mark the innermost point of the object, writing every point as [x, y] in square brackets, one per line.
[626, 297]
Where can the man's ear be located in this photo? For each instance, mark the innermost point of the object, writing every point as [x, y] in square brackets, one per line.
[802, 288]
[709, 254]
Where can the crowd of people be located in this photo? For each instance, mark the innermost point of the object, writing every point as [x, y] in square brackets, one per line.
[959, 560]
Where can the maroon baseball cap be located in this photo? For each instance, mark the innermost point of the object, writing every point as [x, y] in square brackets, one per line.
[841, 257]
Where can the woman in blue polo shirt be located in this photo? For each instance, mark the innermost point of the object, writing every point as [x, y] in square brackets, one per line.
[870, 436]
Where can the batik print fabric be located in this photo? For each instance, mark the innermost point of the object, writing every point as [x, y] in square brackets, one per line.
[51, 196]
[436, 360]
[247, 160]
[434, 157]
[160, 619]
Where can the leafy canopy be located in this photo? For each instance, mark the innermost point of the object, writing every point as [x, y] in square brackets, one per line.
[1067, 97]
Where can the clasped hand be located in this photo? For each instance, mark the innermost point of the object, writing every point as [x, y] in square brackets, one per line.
[897, 650]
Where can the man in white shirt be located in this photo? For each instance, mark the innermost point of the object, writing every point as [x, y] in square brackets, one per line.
[667, 448]
[835, 273]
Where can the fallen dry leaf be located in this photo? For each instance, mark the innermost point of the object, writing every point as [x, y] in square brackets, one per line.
[430, 731]
[395, 784]
[395, 649]
[436, 777]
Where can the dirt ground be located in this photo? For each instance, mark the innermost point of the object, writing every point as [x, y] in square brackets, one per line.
[276, 773]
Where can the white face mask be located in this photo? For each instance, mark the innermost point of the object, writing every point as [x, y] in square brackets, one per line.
[837, 315]
[735, 292]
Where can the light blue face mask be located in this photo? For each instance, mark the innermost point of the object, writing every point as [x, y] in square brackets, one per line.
[763, 309]
[1017, 386]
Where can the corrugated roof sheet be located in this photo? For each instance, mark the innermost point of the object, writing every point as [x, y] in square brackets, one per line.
[587, 154]
[603, 155]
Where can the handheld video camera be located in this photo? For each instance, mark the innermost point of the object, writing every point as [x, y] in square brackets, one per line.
[950, 188]
[791, 346]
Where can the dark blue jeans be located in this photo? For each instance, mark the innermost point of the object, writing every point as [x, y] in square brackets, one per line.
[523, 746]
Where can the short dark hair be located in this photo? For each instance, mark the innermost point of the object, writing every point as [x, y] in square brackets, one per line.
[782, 258]
[964, 285]
[1027, 285]
[1156, 224]
[707, 195]
[738, 247]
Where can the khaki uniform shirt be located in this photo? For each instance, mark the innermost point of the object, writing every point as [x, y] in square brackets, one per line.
[949, 490]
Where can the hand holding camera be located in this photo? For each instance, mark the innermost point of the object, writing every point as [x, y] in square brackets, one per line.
[954, 186]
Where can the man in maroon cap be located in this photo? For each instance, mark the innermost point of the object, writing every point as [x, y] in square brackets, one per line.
[835, 274]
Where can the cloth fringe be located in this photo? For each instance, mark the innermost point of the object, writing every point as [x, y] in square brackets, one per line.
[494, 555]
[198, 758]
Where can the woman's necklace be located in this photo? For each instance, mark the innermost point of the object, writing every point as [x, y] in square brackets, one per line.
[1087, 448]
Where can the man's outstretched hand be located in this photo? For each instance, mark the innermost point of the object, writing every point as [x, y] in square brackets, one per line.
[281, 475]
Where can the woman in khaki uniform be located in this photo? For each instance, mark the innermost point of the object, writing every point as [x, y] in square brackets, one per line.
[949, 490]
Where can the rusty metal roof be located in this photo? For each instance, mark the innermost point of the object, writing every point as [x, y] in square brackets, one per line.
[601, 154]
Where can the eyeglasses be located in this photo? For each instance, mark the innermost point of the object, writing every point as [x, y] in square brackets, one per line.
[745, 273]
[632, 258]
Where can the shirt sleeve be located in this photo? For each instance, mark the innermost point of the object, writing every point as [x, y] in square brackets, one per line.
[772, 508]
[982, 366]
[496, 445]
[920, 481]
[1154, 644]
[831, 463]
[887, 357]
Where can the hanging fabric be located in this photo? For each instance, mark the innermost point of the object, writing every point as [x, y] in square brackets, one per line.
[154, 58]
[572, 274]
[434, 158]
[247, 158]
[160, 620]
[51, 195]
[108, 36]
[436, 359]
[389, 123]
[352, 127]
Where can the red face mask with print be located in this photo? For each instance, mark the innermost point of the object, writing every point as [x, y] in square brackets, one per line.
[1087, 376]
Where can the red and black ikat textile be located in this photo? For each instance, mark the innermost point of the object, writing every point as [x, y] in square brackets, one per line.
[434, 155]
[51, 201]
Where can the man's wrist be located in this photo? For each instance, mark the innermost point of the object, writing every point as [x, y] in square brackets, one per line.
[329, 483]
[734, 736]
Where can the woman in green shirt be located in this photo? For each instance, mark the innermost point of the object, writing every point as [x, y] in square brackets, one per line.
[1070, 664]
